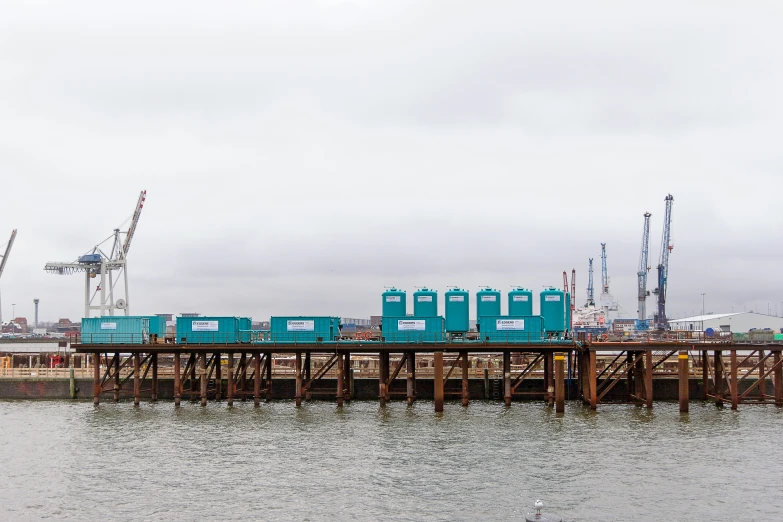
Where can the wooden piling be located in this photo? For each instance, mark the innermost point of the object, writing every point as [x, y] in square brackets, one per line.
[684, 374]
[507, 378]
[340, 380]
[257, 379]
[269, 360]
[486, 383]
[778, 373]
[96, 378]
[136, 379]
[218, 378]
[705, 374]
[116, 377]
[733, 385]
[411, 378]
[719, 371]
[648, 379]
[177, 382]
[559, 383]
[438, 381]
[308, 366]
[383, 377]
[592, 379]
[465, 391]
[347, 377]
[230, 387]
[298, 371]
[154, 392]
[549, 384]
[202, 368]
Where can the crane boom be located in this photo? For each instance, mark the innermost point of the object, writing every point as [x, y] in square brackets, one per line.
[134, 222]
[590, 292]
[4, 257]
[604, 271]
[663, 264]
[644, 267]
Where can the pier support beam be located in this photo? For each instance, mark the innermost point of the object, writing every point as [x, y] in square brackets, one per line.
[411, 381]
[116, 377]
[719, 372]
[778, 378]
[96, 379]
[202, 370]
[257, 379]
[648, 379]
[340, 380]
[230, 384]
[465, 391]
[298, 371]
[154, 394]
[136, 379]
[177, 382]
[592, 380]
[507, 378]
[438, 381]
[733, 385]
[559, 383]
[682, 360]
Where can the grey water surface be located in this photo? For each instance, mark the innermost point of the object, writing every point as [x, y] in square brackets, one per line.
[71, 460]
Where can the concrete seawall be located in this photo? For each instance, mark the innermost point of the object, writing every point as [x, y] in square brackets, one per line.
[364, 389]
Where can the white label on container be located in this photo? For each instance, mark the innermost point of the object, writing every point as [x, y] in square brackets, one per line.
[457, 298]
[521, 298]
[510, 324]
[204, 326]
[403, 325]
[108, 326]
[392, 298]
[424, 298]
[300, 326]
[551, 298]
[492, 298]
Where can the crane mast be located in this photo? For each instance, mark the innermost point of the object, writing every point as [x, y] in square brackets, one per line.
[604, 271]
[644, 267]
[590, 291]
[663, 265]
[3, 260]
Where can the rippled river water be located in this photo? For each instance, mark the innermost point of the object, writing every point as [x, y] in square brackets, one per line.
[67, 460]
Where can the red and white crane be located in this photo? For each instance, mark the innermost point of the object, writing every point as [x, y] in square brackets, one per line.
[109, 266]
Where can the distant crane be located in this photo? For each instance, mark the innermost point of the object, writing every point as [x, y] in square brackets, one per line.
[590, 292]
[3, 260]
[663, 266]
[644, 268]
[607, 301]
[99, 263]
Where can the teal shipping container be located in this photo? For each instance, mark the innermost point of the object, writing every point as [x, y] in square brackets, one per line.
[457, 311]
[245, 329]
[413, 329]
[487, 304]
[520, 302]
[553, 309]
[157, 324]
[425, 303]
[394, 303]
[512, 329]
[115, 330]
[304, 329]
[208, 330]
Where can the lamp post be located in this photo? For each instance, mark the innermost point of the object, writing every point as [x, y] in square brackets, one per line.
[702, 312]
[13, 312]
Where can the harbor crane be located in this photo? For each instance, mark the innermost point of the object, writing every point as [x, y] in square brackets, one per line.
[607, 301]
[590, 292]
[663, 266]
[110, 266]
[3, 260]
[644, 268]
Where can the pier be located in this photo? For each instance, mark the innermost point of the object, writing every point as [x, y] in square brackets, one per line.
[593, 372]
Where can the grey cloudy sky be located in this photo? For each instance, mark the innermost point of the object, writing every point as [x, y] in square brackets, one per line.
[300, 156]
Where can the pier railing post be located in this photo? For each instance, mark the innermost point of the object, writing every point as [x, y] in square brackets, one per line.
[465, 390]
[438, 381]
[733, 389]
[684, 374]
[559, 383]
[177, 382]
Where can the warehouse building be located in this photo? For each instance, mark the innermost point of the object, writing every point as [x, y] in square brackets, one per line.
[739, 322]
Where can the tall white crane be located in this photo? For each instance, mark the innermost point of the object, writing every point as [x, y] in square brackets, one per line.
[644, 267]
[606, 299]
[3, 260]
[109, 266]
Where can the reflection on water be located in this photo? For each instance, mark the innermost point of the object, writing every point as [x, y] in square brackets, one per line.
[365, 462]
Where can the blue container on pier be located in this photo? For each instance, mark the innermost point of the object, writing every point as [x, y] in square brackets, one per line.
[208, 330]
[119, 329]
[304, 329]
[520, 302]
[457, 311]
[512, 329]
[425, 303]
[394, 303]
[413, 329]
[553, 309]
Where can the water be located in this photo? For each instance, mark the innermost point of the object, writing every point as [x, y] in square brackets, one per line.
[69, 460]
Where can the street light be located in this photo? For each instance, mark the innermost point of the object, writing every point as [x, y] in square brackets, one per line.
[702, 312]
[13, 312]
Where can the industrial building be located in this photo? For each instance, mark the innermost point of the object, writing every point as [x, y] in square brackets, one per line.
[738, 322]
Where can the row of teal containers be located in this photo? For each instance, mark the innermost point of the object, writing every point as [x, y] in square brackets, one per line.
[144, 329]
[554, 306]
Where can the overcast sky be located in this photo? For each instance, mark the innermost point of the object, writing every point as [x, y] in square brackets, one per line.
[300, 156]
